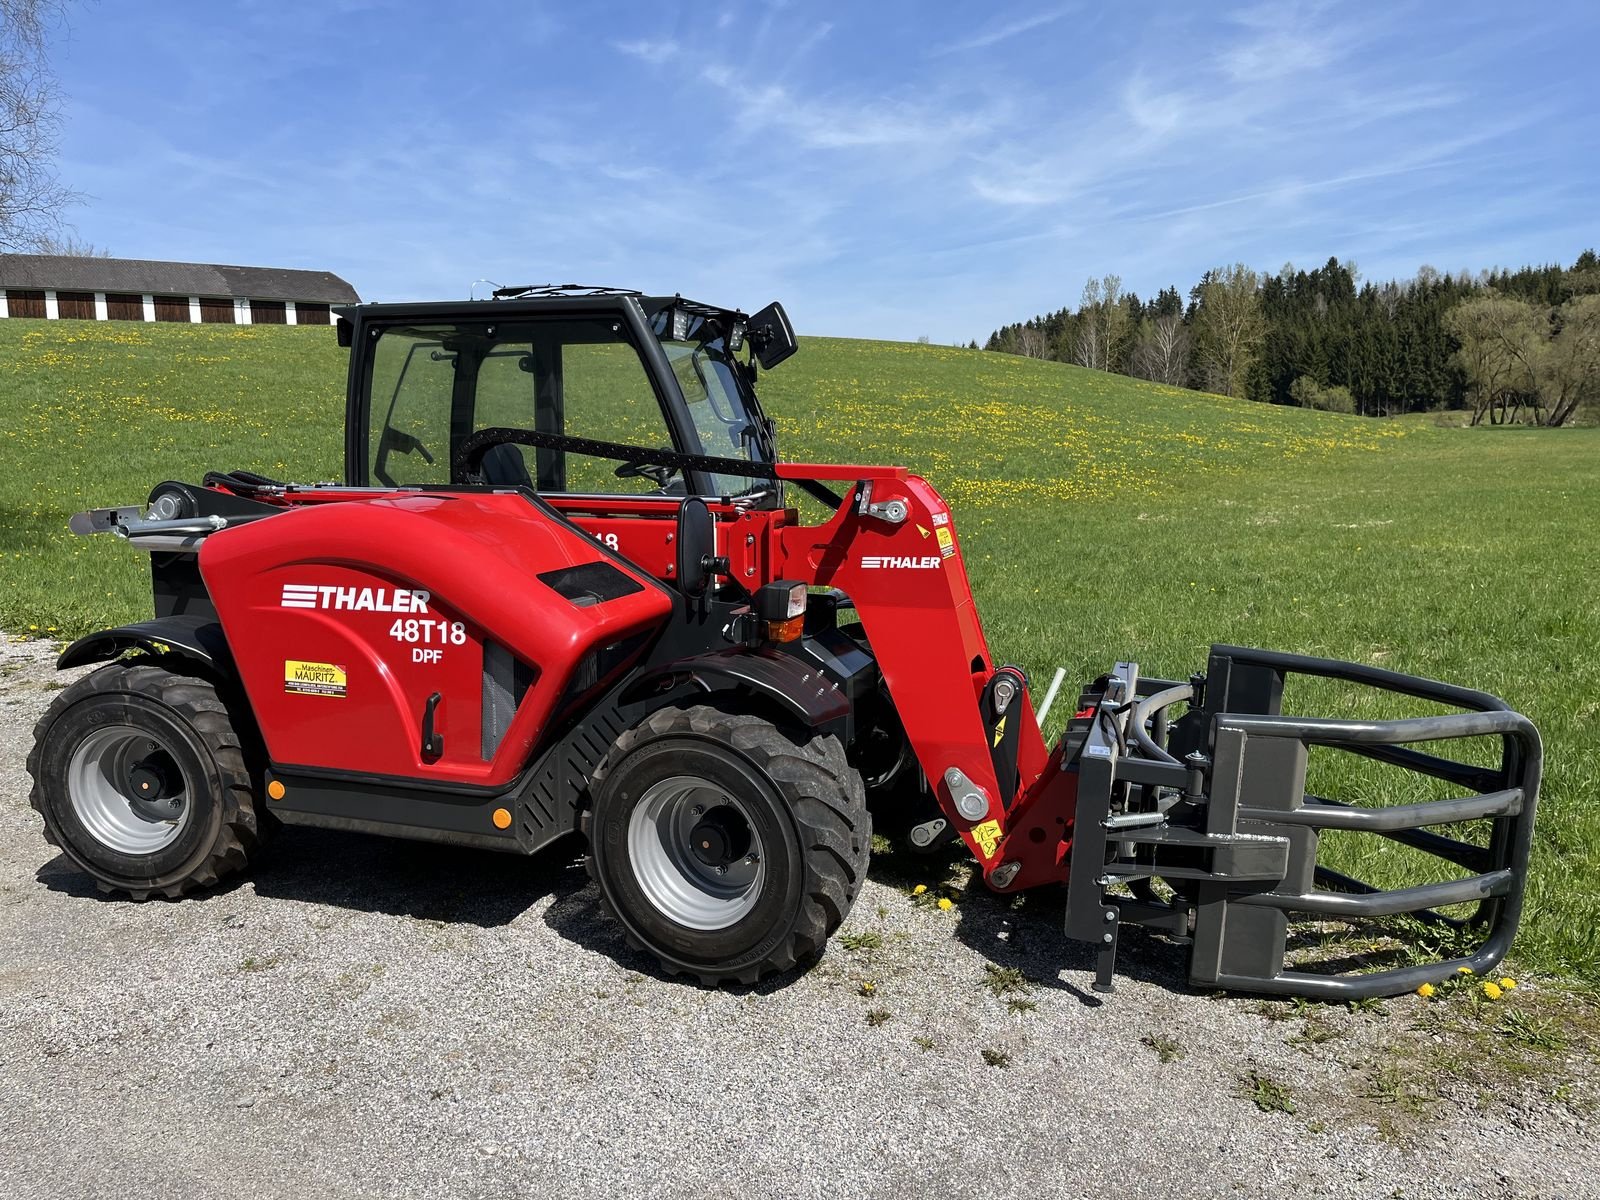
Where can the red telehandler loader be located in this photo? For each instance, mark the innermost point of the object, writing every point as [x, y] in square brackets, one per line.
[560, 591]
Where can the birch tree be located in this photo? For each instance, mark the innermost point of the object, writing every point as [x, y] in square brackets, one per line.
[31, 196]
[1229, 327]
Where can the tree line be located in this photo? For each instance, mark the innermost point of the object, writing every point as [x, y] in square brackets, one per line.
[1506, 345]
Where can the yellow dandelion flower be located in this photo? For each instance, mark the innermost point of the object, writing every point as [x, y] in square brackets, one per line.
[1507, 983]
[946, 904]
[1463, 970]
[919, 889]
[1492, 990]
[1425, 990]
[868, 987]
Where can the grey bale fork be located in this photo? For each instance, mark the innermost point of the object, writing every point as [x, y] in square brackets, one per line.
[1216, 806]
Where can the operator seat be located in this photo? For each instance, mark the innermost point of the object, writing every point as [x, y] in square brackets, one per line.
[504, 466]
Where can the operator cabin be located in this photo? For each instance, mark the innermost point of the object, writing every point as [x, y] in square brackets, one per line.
[52, 287]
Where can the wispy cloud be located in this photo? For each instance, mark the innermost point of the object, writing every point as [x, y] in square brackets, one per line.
[1000, 33]
[653, 52]
[1223, 121]
[807, 44]
[1295, 189]
[821, 122]
[1013, 190]
[1285, 40]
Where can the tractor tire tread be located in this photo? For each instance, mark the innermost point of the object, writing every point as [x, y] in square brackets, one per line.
[196, 701]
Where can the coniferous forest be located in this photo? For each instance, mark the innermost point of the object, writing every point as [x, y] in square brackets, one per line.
[1505, 346]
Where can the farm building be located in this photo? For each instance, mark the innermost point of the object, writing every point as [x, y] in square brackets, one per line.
[126, 289]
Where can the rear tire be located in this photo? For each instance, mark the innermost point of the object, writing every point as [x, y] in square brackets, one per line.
[142, 782]
[725, 846]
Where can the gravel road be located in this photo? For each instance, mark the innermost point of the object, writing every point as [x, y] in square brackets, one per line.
[361, 1017]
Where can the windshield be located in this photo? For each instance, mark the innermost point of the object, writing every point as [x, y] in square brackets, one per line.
[724, 410]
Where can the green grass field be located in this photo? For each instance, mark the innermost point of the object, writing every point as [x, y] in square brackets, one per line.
[1100, 517]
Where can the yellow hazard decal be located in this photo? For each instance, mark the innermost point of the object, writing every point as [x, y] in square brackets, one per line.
[313, 678]
[922, 531]
[987, 836]
[947, 544]
[999, 732]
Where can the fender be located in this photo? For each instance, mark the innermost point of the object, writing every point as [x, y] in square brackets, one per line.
[197, 637]
[793, 686]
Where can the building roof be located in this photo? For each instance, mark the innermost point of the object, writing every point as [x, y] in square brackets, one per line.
[78, 273]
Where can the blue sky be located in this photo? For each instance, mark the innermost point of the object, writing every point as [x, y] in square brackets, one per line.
[887, 170]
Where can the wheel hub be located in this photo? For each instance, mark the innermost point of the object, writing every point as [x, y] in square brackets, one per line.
[151, 793]
[147, 780]
[721, 837]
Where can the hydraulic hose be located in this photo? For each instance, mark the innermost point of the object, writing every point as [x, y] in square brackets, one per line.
[1141, 714]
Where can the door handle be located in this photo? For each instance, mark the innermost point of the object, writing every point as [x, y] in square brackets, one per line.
[432, 742]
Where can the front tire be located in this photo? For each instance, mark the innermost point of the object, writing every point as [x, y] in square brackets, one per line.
[725, 846]
[141, 779]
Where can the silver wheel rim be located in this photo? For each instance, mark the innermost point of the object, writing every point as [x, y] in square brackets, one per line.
[127, 790]
[678, 825]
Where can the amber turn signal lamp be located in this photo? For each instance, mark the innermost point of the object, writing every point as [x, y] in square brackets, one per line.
[276, 790]
[502, 818]
[786, 631]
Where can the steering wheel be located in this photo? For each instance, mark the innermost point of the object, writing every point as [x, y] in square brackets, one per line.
[658, 475]
[467, 463]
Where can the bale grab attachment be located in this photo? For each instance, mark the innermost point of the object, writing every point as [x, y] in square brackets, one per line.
[1215, 807]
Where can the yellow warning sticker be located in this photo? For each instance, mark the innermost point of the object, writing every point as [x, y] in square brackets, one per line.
[313, 678]
[999, 732]
[922, 531]
[947, 544]
[987, 836]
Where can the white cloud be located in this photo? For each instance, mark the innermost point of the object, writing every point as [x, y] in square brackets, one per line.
[1011, 192]
[1000, 33]
[1283, 40]
[653, 52]
[1158, 113]
[845, 122]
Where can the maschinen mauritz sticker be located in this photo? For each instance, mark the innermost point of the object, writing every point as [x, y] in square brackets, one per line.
[313, 678]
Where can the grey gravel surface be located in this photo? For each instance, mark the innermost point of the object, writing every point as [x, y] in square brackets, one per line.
[360, 1017]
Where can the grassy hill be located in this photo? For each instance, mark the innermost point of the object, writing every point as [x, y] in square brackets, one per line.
[1101, 518]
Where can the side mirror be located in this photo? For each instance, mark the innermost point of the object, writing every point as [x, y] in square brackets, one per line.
[697, 547]
[771, 336]
[345, 332]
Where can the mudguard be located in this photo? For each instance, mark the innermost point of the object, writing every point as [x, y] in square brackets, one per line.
[197, 637]
[792, 686]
